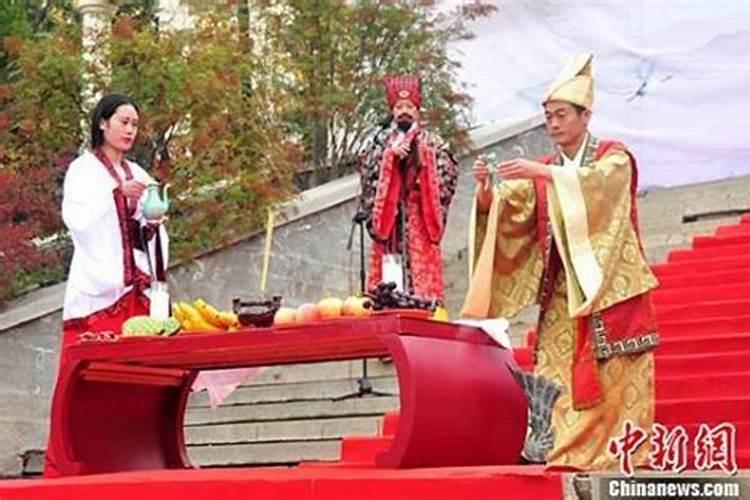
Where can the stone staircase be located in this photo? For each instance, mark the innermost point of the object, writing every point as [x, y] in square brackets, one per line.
[288, 414]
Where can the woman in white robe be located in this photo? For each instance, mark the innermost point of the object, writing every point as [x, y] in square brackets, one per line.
[102, 199]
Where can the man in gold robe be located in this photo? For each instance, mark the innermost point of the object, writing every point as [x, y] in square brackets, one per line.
[562, 232]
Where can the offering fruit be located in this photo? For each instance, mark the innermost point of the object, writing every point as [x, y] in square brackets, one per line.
[170, 327]
[307, 313]
[285, 316]
[138, 326]
[330, 307]
[357, 306]
[385, 296]
[201, 316]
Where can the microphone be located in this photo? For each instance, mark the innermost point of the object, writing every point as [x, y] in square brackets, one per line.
[385, 122]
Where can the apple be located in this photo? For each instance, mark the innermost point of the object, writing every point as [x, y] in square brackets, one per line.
[330, 308]
[307, 313]
[355, 306]
[285, 316]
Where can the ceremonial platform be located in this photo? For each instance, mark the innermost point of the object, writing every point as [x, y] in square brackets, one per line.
[702, 375]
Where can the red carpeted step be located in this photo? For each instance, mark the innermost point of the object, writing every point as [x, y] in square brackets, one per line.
[723, 384]
[730, 277]
[737, 230]
[694, 364]
[745, 219]
[390, 423]
[363, 449]
[697, 344]
[698, 254]
[717, 242]
[691, 295]
[741, 442]
[741, 434]
[719, 264]
[711, 326]
[743, 459]
[742, 429]
[688, 411]
[703, 310]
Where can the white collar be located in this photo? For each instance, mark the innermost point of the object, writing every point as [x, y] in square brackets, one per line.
[576, 161]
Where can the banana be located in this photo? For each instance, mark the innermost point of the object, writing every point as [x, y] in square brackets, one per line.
[177, 312]
[195, 320]
[228, 320]
[209, 313]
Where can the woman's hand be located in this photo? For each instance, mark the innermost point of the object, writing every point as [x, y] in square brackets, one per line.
[132, 189]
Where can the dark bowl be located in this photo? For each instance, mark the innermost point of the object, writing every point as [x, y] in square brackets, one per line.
[256, 312]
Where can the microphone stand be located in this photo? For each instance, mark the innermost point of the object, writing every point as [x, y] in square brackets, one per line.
[364, 384]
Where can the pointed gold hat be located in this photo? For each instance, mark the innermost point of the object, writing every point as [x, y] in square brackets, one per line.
[574, 84]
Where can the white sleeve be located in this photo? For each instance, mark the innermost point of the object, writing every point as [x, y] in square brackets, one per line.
[85, 204]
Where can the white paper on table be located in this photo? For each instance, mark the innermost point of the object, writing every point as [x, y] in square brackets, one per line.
[495, 328]
[158, 296]
[393, 270]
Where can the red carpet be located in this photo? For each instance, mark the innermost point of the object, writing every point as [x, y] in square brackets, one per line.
[298, 483]
[703, 365]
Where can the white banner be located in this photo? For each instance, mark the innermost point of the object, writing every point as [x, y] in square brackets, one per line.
[672, 77]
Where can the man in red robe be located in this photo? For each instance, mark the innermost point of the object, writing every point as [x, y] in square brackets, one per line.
[408, 180]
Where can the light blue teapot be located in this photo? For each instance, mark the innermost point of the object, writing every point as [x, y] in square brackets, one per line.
[156, 203]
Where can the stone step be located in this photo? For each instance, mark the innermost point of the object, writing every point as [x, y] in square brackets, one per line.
[296, 391]
[658, 254]
[668, 225]
[713, 199]
[268, 412]
[291, 430]
[309, 372]
[270, 453]
[673, 225]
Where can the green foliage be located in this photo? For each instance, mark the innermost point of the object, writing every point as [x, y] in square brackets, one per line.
[338, 53]
[228, 156]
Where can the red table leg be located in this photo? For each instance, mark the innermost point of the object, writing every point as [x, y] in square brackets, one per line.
[460, 405]
[112, 418]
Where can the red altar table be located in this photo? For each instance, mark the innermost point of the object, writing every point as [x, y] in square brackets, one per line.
[119, 406]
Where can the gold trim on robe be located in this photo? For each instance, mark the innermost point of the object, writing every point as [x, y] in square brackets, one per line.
[505, 256]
